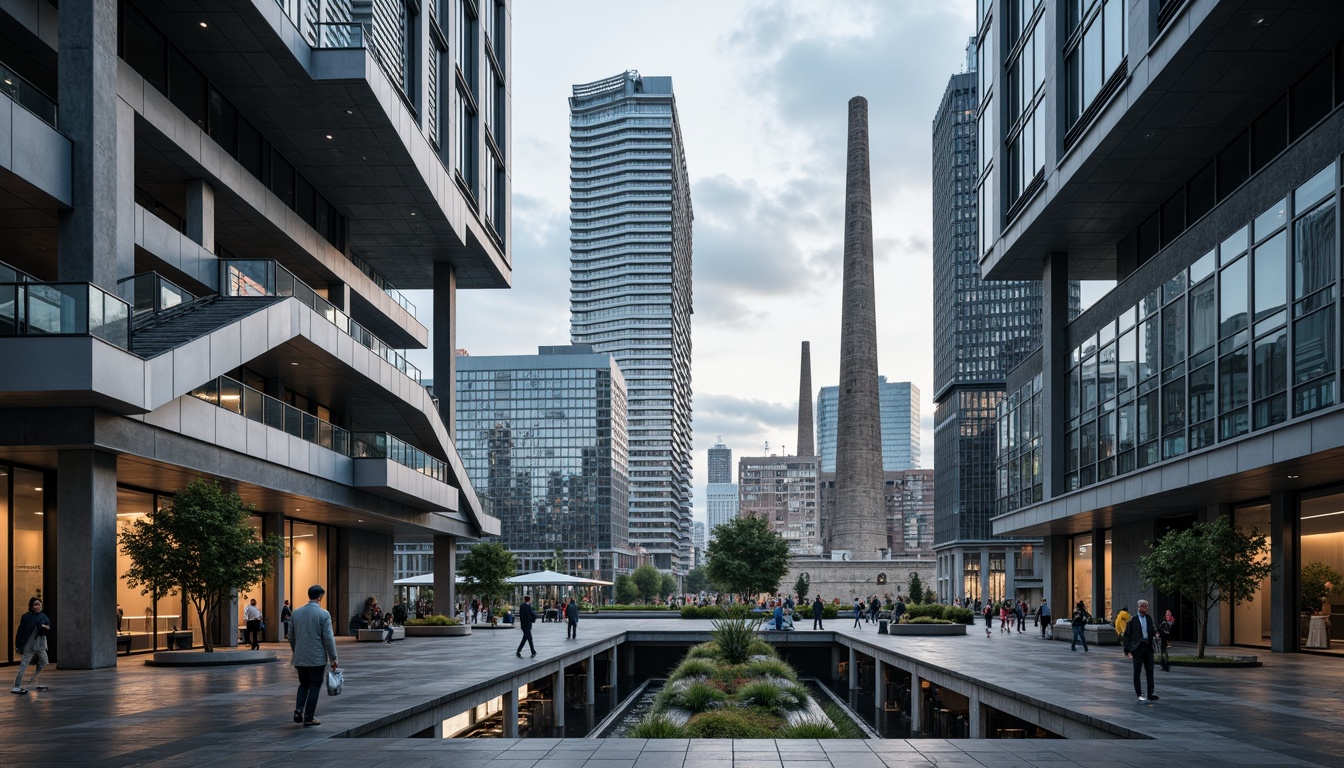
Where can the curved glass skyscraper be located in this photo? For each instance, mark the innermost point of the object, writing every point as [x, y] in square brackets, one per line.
[630, 287]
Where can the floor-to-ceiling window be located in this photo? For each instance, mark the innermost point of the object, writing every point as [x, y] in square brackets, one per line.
[1251, 619]
[1321, 624]
[1106, 570]
[308, 562]
[255, 592]
[25, 538]
[1080, 573]
[137, 624]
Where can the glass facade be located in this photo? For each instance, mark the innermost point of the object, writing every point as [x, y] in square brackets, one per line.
[1241, 340]
[22, 531]
[899, 405]
[720, 464]
[1094, 53]
[544, 439]
[1020, 448]
[630, 287]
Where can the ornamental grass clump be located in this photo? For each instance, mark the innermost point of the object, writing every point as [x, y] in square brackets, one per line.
[810, 730]
[771, 668]
[763, 694]
[708, 650]
[734, 638]
[733, 723]
[760, 647]
[657, 727]
[693, 668]
[696, 697]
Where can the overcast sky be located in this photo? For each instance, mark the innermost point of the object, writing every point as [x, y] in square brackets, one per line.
[761, 89]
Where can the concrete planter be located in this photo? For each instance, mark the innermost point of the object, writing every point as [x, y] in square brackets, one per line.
[461, 630]
[926, 630]
[1101, 634]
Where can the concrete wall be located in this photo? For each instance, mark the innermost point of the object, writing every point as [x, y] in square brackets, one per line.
[364, 568]
[857, 578]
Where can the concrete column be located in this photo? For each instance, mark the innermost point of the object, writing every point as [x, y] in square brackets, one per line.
[445, 343]
[201, 213]
[916, 705]
[1220, 618]
[1054, 342]
[590, 671]
[445, 574]
[984, 575]
[958, 570]
[1058, 591]
[879, 690]
[95, 244]
[86, 559]
[275, 587]
[558, 696]
[853, 669]
[835, 662]
[511, 713]
[611, 669]
[629, 661]
[1009, 571]
[976, 716]
[1283, 591]
[1098, 604]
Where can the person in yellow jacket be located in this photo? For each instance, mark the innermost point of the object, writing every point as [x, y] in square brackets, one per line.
[1121, 621]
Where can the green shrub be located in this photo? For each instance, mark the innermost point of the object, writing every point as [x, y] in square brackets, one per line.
[763, 694]
[759, 647]
[828, 611]
[706, 612]
[929, 610]
[809, 730]
[436, 620]
[693, 668]
[708, 650]
[771, 668]
[637, 607]
[734, 638]
[842, 721]
[733, 723]
[730, 676]
[925, 620]
[738, 611]
[696, 697]
[959, 615]
[656, 727]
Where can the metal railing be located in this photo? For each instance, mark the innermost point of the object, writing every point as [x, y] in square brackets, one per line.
[27, 95]
[382, 283]
[237, 397]
[64, 309]
[263, 277]
[152, 292]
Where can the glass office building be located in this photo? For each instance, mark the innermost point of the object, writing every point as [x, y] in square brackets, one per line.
[630, 287]
[898, 402]
[1206, 384]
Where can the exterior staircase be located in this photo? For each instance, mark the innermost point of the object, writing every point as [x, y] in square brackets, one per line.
[156, 333]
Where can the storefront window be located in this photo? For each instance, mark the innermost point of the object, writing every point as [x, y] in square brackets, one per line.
[1106, 569]
[136, 618]
[997, 580]
[4, 550]
[970, 576]
[306, 560]
[256, 592]
[27, 542]
[1322, 529]
[1080, 572]
[1250, 620]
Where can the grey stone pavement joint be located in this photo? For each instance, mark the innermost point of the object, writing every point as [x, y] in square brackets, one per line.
[1290, 712]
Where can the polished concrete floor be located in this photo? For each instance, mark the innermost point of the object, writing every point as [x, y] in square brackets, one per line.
[1288, 712]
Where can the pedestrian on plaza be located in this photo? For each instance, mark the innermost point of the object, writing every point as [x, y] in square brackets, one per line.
[1122, 621]
[1004, 626]
[873, 608]
[314, 645]
[1043, 616]
[788, 603]
[1020, 609]
[286, 613]
[899, 610]
[1165, 628]
[526, 617]
[1141, 639]
[989, 618]
[858, 614]
[779, 616]
[572, 616]
[252, 619]
[1079, 622]
[818, 608]
[31, 642]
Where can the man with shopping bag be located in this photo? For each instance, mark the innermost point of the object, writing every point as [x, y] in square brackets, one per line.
[311, 639]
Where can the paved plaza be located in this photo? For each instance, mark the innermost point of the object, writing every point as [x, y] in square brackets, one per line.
[1288, 712]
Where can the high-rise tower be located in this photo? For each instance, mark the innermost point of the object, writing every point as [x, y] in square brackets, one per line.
[859, 526]
[806, 445]
[630, 287]
[720, 463]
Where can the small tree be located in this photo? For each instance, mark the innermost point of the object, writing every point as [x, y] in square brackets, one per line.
[696, 580]
[802, 586]
[647, 581]
[746, 557]
[916, 587]
[626, 591]
[485, 570]
[1209, 563]
[202, 545]
[1319, 581]
[667, 585]
[557, 563]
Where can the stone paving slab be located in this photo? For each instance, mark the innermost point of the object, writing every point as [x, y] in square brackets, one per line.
[1289, 712]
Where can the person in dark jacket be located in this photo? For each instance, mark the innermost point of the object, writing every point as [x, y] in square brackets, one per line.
[1142, 637]
[526, 618]
[873, 608]
[572, 617]
[899, 610]
[286, 614]
[31, 643]
[1079, 622]
[818, 608]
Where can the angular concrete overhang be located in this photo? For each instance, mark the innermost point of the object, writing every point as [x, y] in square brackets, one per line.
[1295, 456]
[404, 209]
[249, 219]
[35, 185]
[1212, 71]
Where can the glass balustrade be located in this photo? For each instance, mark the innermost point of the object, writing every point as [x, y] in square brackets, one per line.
[63, 309]
[233, 395]
[263, 277]
[27, 95]
[152, 292]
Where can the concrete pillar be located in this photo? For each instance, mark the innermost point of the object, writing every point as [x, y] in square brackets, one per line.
[835, 662]
[274, 588]
[445, 343]
[590, 672]
[97, 236]
[1098, 604]
[629, 660]
[916, 704]
[558, 696]
[879, 689]
[86, 560]
[201, 213]
[511, 713]
[1058, 591]
[1220, 618]
[1055, 318]
[853, 669]
[958, 569]
[1010, 571]
[445, 574]
[976, 716]
[1283, 591]
[611, 669]
[984, 575]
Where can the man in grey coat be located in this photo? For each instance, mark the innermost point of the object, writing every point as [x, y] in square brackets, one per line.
[311, 639]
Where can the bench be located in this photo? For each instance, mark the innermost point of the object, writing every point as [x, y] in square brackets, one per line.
[124, 641]
[376, 635]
